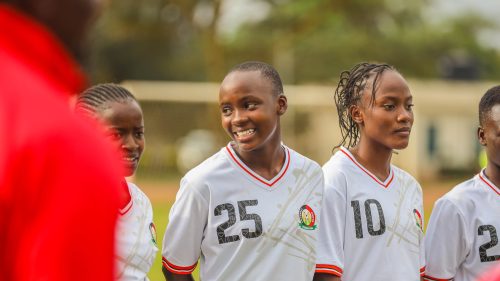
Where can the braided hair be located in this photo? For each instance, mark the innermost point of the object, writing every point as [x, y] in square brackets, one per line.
[349, 90]
[97, 98]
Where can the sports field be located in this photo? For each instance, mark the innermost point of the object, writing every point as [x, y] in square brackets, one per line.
[162, 195]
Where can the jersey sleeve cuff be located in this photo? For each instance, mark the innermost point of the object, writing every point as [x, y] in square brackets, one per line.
[329, 269]
[177, 269]
[422, 271]
[430, 278]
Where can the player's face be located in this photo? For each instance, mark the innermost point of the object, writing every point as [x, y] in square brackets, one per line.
[250, 111]
[125, 126]
[489, 136]
[387, 122]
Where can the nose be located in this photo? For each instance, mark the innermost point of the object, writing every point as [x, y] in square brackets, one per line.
[239, 117]
[129, 142]
[405, 116]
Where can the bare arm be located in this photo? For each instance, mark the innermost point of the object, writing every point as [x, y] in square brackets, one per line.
[325, 277]
[169, 276]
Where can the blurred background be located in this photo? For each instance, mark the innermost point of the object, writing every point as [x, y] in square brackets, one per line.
[173, 54]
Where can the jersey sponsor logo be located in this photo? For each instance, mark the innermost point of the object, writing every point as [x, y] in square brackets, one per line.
[152, 231]
[307, 218]
[418, 219]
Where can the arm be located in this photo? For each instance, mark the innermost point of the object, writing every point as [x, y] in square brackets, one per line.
[169, 276]
[325, 277]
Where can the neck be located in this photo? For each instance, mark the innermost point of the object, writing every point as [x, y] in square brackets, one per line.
[266, 162]
[376, 159]
[492, 172]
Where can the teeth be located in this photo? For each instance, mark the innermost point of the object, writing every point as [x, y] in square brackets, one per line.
[245, 133]
[129, 159]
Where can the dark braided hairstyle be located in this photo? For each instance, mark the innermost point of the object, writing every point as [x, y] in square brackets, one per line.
[349, 90]
[265, 70]
[489, 99]
[97, 98]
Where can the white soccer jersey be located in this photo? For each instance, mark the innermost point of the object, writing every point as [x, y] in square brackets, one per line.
[462, 236]
[136, 237]
[370, 230]
[242, 226]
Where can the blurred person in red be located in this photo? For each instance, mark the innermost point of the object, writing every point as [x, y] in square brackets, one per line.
[59, 183]
[492, 275]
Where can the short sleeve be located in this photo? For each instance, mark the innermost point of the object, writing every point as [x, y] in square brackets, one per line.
[445, 241]
[184, 233]
[331, 229]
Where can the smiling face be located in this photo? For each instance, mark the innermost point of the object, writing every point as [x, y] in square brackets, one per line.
[250, 110]
[125, 125]
[387, 120]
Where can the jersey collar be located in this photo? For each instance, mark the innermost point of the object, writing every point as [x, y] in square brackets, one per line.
[384, 184]
[490, 184]
[269, 183]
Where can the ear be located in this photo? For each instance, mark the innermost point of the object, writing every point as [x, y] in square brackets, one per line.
[282, 104]
[356, 114]
[481, 136]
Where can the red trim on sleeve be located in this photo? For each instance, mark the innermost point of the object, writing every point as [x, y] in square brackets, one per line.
[178, 269]
[422, 271]
[329, 269]
[430, 278]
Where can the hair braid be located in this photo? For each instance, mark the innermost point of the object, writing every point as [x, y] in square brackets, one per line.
[95, 99]
[349, 90]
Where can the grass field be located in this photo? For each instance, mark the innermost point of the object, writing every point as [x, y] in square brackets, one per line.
[162, 195]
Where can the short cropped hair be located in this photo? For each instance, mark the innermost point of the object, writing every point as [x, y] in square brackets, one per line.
[265, 70]
[489, 99]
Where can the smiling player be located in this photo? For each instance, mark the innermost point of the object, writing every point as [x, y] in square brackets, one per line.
[249, 212]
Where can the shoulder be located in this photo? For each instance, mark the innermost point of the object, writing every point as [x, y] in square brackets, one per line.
[301, 160]
[406, 178]
[460, 195]
[337, 166]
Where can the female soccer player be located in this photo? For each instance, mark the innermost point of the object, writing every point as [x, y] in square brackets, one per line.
[250, 211]
[122, 117]
[462, 236]
[371, 225]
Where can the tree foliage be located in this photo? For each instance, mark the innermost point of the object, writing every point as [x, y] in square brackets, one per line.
[307, 40]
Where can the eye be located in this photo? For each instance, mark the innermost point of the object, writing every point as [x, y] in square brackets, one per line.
[251, 105]
[389, 106]
[226, 110]
[114, 135]
[410, 106]
[139, 134]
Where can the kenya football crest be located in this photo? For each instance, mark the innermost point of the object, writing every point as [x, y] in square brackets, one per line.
[307, 218]
[152, 230]
[418, 219]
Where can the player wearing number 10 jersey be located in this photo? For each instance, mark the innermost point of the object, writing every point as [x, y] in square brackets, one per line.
[461, 242]
[242, 220]
[372, 217]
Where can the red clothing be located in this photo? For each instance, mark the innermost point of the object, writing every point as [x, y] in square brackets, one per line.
[59, 184]
[492, 275]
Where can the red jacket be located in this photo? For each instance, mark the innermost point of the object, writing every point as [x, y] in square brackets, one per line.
[59, 183]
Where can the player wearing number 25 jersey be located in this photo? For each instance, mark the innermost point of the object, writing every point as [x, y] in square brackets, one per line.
[370, 229]
[251, 211]
[461, 242]
[242, 226]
